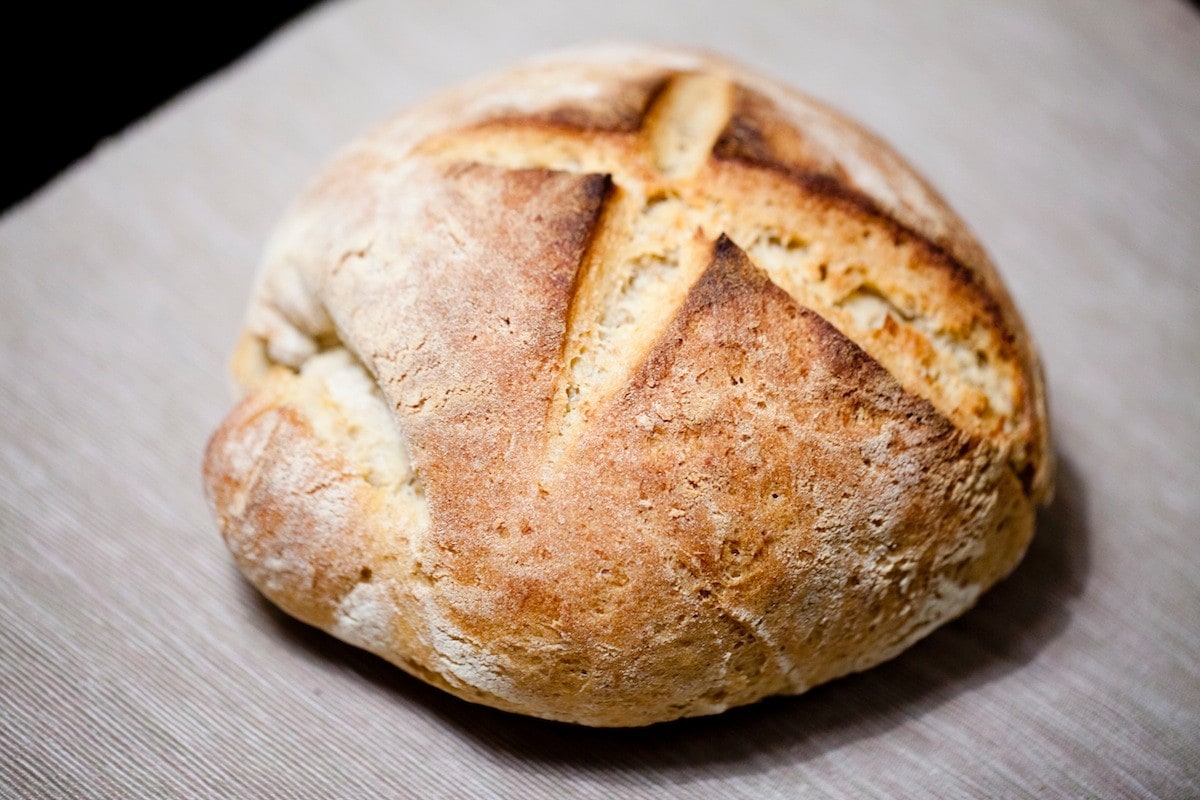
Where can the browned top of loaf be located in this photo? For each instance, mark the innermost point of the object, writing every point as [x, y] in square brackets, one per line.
[619, 303]
[832, 213]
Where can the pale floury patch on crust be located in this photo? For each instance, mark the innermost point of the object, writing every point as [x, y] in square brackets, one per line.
[945, 602]
[624, 386]
[466, 663]
[364, 618]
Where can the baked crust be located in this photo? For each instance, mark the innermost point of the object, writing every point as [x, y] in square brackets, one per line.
[627, 386]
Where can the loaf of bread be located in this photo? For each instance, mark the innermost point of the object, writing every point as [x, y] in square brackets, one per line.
[625, 386]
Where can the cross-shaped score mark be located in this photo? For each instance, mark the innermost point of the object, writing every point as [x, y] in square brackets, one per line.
[671, 200]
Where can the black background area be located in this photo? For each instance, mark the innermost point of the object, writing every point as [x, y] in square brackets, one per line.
[74, 76]
[78, 73]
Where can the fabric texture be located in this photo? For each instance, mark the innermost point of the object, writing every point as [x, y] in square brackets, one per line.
[135, 661]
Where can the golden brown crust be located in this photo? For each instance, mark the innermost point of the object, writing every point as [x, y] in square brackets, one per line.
[759, 134]
[624, 388]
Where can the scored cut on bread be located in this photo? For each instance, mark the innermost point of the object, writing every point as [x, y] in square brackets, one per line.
[625, 386]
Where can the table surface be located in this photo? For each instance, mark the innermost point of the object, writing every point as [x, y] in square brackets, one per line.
[134, 660]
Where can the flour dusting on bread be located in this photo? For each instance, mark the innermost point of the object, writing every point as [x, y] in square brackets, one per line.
[625, 386]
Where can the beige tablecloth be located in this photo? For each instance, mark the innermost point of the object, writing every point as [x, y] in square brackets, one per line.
[135, 661]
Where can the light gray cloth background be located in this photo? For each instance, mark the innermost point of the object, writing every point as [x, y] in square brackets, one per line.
[134, 660]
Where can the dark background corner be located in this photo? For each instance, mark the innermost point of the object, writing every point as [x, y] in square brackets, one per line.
[79, 76]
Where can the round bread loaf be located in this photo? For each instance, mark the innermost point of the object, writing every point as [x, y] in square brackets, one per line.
[625, 386]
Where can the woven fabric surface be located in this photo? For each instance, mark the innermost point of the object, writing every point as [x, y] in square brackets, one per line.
[135, 661]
